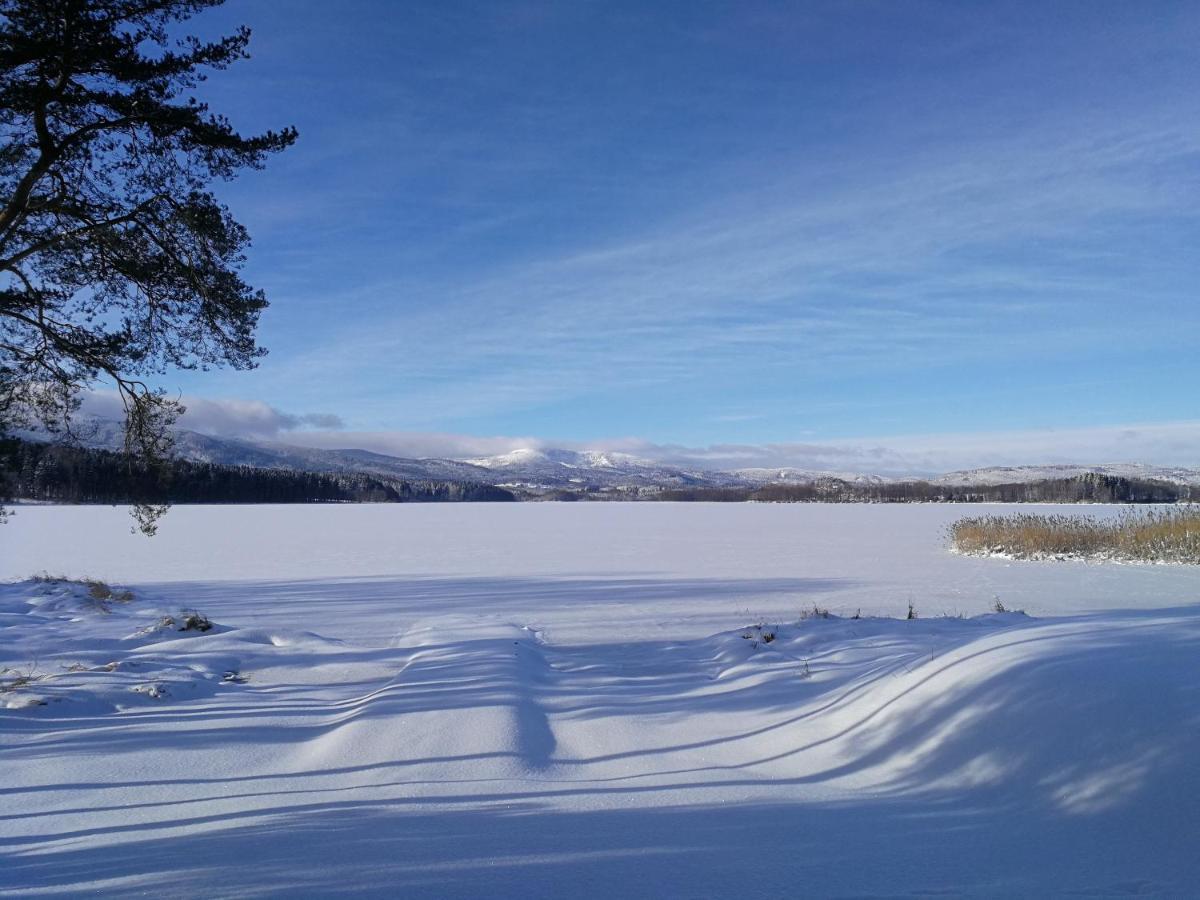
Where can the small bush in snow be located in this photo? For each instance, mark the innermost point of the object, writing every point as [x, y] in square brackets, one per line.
[47, 578]
[15, 679]
[758, 633]
[193, 621]
[101, 592]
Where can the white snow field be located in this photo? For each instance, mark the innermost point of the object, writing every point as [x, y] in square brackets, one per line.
[588, 700]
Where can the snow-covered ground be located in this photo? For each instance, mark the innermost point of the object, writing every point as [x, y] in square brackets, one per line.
[538, 700]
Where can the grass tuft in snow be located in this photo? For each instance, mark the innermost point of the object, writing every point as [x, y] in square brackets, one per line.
[100, 594]
[1155, 535]
[13, 679]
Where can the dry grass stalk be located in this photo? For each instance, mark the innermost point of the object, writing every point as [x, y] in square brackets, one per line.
[1143, 535]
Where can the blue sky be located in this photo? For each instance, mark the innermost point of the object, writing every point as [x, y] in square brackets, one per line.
[695, 224]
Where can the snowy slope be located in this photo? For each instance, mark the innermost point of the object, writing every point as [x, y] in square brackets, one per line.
[556, 467]
[596, 701]
[549, 468]
[804, 476]
[107, 435]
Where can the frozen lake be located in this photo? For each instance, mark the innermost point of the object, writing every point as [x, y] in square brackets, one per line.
[588, 700]
[585, 572]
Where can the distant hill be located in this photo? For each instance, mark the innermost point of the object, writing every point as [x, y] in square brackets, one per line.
[555, 472]
[1025, 474]
[59, 473]
[595, 469]
[105, 434]
[805, 476]
[548, 469]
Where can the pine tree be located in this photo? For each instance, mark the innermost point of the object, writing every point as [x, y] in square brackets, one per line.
[116, 260]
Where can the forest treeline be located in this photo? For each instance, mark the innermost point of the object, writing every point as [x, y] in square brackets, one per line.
[60, 473]
[1088, 488]
[64, 474]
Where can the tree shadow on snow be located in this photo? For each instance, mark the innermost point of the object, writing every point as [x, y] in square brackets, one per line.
[1050, 757]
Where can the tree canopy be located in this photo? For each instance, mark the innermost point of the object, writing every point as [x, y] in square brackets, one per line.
[117, 262]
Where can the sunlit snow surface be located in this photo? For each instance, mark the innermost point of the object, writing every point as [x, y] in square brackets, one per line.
[581, 700]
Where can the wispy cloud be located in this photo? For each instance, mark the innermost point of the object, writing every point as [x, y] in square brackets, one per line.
[846, 218]
[1161, 443]
[998, 248]
[1169, 443]
[223, 418]
[417, 445]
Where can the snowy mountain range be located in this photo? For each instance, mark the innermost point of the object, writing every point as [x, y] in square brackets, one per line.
[593, 468]
[560, 469]
[546, 469]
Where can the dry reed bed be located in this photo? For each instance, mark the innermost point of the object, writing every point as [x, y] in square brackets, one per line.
[1137, 535]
